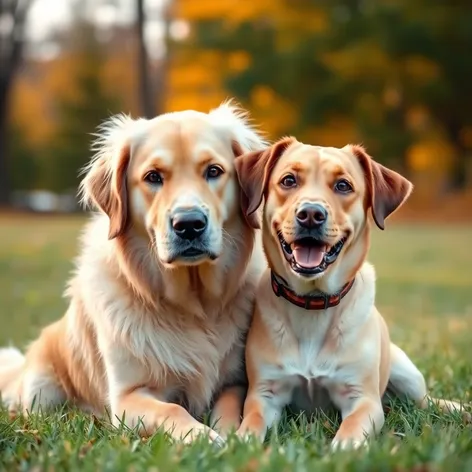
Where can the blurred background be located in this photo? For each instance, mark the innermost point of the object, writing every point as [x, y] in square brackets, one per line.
[395, 75]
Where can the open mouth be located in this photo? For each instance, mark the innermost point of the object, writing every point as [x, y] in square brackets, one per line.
[310, 256]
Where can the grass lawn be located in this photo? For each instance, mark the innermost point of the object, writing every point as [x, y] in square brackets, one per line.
[424, 291]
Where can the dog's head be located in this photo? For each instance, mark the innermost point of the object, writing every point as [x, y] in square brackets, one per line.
[171, 178]
[317, 201]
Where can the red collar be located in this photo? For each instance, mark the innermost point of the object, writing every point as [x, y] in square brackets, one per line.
[309, 302]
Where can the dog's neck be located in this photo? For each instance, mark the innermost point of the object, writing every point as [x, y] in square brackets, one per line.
[313, 301]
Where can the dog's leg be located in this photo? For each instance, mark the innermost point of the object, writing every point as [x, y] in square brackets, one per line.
[40, 391]
[12, 363]
[406, 380]
[39, 387]
[262, 409]
[140, 408]
[146, 408]
[227, 410]
[362, 417]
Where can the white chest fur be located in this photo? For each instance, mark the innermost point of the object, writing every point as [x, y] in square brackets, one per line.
[313, 346]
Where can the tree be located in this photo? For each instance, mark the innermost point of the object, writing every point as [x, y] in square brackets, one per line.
[446, 41]
[391, 74]
[146, 92]
[23, 168]
[80, 112]
[13, 15]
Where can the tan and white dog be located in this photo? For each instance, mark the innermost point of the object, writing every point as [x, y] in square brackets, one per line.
[163, 291]
[317, 339]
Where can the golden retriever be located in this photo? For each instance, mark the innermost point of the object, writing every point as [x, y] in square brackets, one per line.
[163, 291]
[317, 339]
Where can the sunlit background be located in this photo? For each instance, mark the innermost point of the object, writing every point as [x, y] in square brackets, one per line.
[394, 75]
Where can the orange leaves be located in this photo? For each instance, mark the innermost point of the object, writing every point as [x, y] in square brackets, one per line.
[431, 153]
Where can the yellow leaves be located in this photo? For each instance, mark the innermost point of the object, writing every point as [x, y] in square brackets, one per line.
[292, 24]
[202, 70]
[121, 79]
[338, 131]
[192, 99]
[57, 76]
[30, 109]
[418, 158]
[262, 96]
[272, 111]
[421, 69]
[250, 10]
[360, 60]
[38, 91]
[367, 58]
[204, 9]
[196, 82]
[239, 61]
[417, 118]
[430, 159]
[232, 11]
[430, 154]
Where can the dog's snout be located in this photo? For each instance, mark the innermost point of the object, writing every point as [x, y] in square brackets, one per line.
[189, 223]
[311, 215]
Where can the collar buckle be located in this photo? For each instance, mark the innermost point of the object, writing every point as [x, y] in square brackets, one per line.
[326, 299]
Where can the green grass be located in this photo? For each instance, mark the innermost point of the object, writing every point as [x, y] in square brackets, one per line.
[424, 291]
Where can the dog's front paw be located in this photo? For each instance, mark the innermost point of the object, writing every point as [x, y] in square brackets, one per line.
[346, 444]
[246, 434]
[189, 433]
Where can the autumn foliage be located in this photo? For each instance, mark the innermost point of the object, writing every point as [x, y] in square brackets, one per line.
[393, 75]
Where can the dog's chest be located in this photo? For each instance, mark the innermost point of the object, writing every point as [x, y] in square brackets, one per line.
[201, 360]
[307, 353]
[309, 361]
[306, 362]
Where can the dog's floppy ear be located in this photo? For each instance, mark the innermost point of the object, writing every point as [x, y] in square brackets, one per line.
[104, 185]
[387, 190]
[253, 169]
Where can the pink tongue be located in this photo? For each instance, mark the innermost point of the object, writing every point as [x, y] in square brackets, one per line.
[308, 256]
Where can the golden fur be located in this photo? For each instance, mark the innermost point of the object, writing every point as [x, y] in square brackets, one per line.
[342, 355]
[150, 333]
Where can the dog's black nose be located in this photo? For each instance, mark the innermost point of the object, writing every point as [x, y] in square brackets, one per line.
[189, 223]
[311, 215]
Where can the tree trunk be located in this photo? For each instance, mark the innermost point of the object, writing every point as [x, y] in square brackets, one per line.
[163, 68]
[11, 48]
[4, 180]
[146, 95]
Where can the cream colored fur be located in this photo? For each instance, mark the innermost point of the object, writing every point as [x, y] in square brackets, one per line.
[157, 344]
[341, 356]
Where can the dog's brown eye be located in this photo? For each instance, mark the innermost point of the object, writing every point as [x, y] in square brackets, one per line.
[343, 186]
[213, 172]
[153, 178]
[288, 181]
